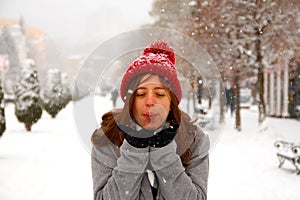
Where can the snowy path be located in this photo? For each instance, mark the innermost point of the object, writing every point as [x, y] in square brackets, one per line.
[48, 163]
[244, 165]
[51, 163]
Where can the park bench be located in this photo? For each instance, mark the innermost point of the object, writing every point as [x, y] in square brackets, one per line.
[288, 151]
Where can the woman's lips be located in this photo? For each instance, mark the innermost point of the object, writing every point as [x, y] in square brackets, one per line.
[150, 115]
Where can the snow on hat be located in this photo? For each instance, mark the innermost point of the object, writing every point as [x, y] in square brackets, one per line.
[158, 58]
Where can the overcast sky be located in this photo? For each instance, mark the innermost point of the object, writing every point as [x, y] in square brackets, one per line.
[60, 18]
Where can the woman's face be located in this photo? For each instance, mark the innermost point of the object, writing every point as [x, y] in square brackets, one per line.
[152, 103]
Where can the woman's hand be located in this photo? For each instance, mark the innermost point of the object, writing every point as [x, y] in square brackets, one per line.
[164, 137]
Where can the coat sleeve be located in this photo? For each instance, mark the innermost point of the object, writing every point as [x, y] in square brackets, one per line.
[177, 182]
[118, 177]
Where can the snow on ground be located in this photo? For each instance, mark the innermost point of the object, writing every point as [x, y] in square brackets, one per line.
[52, 163]
[47, 163]
[244, 165]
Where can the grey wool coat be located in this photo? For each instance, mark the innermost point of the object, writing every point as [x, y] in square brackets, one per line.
[119, 173]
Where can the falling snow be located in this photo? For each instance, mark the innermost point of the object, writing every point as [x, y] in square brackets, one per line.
[243, 164]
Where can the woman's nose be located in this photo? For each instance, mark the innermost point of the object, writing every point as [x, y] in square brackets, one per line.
[150, 100]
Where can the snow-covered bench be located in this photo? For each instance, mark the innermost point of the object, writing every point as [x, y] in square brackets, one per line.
[288, 151]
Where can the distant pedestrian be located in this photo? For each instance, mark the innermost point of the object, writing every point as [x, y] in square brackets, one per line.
[230, 96]
[150, 149]
[114, 97]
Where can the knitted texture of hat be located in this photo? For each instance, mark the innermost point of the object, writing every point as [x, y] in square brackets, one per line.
[159, 59]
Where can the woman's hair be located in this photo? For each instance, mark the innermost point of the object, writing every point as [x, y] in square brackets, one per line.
[185, 135]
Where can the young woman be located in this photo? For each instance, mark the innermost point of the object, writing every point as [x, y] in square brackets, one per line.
[150, 149]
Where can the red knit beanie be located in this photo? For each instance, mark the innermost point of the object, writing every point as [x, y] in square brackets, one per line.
[158, 58]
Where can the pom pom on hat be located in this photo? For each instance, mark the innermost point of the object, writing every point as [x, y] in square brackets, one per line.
[160, 47]
[158, 58]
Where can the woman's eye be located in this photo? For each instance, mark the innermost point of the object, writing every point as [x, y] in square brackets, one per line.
[160, 94]
[140, 94]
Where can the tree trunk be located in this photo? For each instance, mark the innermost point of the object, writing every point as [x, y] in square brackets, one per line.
[260, 80]
[222, 102]
[237, 102]
[28, 126]
[261, 102]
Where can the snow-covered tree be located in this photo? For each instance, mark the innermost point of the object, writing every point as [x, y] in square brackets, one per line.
[238, 34]
[258, 33]
[8, 46]
[67, 94]
[244, 37]
[2, 112]
[56, 95]
[274, 34]
[27, 89]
